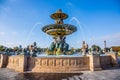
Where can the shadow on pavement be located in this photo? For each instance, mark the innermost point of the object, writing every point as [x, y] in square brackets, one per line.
[48, 76]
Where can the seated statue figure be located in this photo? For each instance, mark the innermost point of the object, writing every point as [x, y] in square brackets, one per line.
[58, 46]
[65, 47]
[84, 48]
[52, 46]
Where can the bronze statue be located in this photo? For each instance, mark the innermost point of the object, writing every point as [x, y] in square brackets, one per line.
[84, 48]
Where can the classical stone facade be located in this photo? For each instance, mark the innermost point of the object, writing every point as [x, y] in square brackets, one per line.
[58, 64]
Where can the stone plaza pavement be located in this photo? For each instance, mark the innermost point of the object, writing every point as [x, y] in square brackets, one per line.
[109, 74]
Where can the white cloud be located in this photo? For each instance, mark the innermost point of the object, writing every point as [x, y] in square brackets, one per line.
[6, 9]
[111, 40]
[11, 44]
[7, 34]
[2, 33]
[110, 37]
[69, 4]
[14, 33]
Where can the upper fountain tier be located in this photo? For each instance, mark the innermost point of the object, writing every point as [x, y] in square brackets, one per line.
[59, 28]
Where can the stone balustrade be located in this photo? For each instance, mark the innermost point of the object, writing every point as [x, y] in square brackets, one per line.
[58, 64]
[23, 63]
[18, 63]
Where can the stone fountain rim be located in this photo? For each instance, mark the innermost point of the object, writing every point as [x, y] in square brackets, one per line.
[62, 26]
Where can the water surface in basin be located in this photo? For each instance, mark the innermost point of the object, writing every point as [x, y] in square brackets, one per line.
[73, 55]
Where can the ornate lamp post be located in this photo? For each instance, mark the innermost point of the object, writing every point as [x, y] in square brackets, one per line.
[105, 45]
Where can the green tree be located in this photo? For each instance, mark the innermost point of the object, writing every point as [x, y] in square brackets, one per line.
[96, 47]
[78, 50]
[2, 48]
[116, 48]
[11, 50]
[16, 48]
[72, 49]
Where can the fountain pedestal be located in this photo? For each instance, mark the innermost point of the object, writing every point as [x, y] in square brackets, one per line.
[95, 62]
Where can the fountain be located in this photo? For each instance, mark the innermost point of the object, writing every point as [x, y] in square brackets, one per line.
[59, 31]
[64, 62]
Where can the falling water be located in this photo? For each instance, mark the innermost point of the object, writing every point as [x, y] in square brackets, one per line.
[34, 26]
[82, 31]
[78, 22]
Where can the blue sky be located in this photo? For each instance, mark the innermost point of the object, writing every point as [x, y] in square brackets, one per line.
[97, 20]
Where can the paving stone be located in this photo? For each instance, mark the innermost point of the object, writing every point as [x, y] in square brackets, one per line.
[71, 78]
[77, 77]
[111, 74]
[64, 79]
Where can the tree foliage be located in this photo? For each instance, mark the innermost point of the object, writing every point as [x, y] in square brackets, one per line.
[96, 47]
[2, 48]
[116, 48]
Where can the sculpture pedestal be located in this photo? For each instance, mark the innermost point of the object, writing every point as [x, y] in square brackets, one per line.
[114, 60]
[18, 63]
[95, 62]
[3, 60]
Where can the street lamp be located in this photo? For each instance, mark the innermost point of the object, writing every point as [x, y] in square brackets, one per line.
[105, 45]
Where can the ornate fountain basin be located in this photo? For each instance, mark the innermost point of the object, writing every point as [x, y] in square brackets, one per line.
[59, 29]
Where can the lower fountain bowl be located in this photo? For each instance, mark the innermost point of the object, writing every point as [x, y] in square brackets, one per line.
[59, 29]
